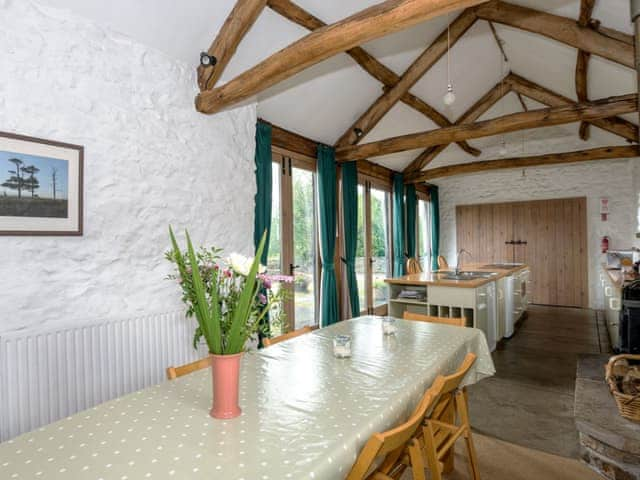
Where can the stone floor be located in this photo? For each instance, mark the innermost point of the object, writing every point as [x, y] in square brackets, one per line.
[530, 400]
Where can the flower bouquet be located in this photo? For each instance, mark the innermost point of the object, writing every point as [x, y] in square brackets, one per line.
[230, 300]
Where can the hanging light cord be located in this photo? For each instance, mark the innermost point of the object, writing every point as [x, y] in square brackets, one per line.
[448, 52]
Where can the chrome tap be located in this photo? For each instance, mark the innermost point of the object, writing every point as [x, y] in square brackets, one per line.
[459, 260]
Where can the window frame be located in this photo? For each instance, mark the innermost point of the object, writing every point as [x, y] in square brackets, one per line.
[368, 183]
[287, 161]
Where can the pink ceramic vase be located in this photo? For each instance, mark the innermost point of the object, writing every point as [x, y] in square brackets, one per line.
[226, 372]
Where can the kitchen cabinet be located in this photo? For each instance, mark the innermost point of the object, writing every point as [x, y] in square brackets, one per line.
[476, 305]
[612, 294]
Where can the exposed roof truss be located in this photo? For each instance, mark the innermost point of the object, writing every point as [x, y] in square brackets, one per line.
[324, 41]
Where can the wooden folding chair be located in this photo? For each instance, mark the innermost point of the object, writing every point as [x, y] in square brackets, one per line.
[175, 372]
[442, 263]
[267, 342]
[413, 266]
[458, 322]
[397, 449]
[440, 430]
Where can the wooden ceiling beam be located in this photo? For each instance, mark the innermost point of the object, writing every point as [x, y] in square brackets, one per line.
[604, 153]
[566, 30]
[370, 64]
[371, 23]
[616, 125]
[471, 115]
[242, 17]
[370, 118]
[544, 117]
[296, 143]
[582, 63]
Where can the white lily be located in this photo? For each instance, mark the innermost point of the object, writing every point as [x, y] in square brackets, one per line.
[242, 265]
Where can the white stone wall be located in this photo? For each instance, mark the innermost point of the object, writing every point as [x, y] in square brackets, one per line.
[612, 179]
[150, 160]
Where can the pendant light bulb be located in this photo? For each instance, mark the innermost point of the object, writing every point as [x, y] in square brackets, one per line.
[450, 97]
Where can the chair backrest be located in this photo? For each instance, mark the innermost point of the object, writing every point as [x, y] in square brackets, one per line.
[392, 441]
[267, 342]
[458, 322]
[175, 372]
[413, 266]
[452, 382]
[442, 262]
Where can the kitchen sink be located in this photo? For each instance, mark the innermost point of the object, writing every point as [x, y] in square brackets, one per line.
[466, 275]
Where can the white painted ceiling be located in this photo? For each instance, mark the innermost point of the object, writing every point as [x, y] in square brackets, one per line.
[323, 101]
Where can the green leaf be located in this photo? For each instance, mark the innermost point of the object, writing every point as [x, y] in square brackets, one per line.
[202, 310]
[215, 314]
[182, 268]
[237, 332]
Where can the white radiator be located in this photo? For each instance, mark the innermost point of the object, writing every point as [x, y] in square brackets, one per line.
[45, 376]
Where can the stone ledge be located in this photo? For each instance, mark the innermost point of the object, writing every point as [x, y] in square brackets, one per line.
[609, 443]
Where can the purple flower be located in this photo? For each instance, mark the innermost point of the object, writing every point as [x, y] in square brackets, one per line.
[281, 278]
[263, 299]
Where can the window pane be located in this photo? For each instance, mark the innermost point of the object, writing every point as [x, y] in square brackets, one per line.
[274, 258]
[424, 235]
[304, 243]
[379, 245]
[360, 252]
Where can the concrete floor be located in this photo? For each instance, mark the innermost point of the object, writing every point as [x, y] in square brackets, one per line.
[529, 401]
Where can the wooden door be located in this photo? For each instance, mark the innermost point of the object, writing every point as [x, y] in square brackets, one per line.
[548, 235]
[483, 230]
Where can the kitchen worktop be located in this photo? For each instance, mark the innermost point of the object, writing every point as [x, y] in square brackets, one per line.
[435, 278]
[618, 278]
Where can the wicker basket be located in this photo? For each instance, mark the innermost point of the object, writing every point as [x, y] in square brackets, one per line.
[628, 405]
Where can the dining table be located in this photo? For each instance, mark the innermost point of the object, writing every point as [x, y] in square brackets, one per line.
[305, 413]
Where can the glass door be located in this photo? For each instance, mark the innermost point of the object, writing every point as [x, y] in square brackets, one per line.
[424, 235]
[373, 248]
[293, 247]
[303, 266]
[380, 252]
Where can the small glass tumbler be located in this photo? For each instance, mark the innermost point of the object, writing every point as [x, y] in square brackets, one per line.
[389, 326]
[342, 346]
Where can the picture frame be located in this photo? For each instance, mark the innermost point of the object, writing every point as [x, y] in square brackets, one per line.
[41, 187]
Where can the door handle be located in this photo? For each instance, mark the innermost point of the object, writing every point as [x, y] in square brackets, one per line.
[292, 268]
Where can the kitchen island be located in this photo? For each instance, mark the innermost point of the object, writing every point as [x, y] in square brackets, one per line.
[490, 297]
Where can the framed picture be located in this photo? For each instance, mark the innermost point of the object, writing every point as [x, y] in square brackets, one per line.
[41, 186]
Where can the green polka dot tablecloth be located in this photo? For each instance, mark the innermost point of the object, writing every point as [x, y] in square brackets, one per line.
[305, 413]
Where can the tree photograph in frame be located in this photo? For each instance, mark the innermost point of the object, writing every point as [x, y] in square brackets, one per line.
[41, 186]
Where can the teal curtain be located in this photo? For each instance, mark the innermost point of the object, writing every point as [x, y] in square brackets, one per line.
[262, 220]
[327, 228]
[350, 220]
[411, 200]
[398, 225]
[434, 210]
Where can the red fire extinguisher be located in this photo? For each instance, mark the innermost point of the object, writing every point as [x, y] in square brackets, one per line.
[604, 244]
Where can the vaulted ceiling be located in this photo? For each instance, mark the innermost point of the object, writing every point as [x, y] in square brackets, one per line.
[323, 101]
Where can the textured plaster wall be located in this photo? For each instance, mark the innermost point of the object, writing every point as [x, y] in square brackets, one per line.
[150, 160]
[618, 180]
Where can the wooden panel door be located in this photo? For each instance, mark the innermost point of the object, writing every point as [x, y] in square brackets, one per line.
[483, 230]
[548, 235]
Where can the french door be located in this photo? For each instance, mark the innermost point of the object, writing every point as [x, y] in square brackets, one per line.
[293, 247]
[373, 253]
